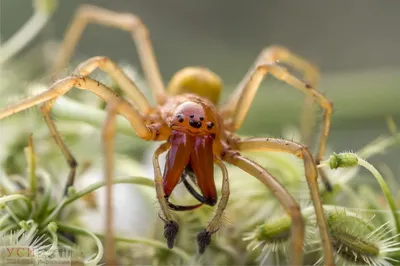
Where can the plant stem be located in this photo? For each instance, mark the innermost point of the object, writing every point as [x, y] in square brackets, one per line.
[154, 243]
[24, 35]
[8, 198]
[81, 231]
[44, 202]
[386, 192]
[4, 218]
[132, 180]
[12, 214]
[72, 110]
[52, 229]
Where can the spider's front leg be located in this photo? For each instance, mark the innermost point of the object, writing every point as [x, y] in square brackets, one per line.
[273, 144]
[125, 21]
[171, 227]
[61, 87]
[204, 237]
[118, 76]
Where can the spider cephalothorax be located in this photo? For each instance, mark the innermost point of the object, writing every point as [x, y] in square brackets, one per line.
[197, 133]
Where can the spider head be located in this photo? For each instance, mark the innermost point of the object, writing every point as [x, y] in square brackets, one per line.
[194, 128]
[194, 118]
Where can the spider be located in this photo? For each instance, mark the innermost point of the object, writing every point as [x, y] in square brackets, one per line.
[196, 132]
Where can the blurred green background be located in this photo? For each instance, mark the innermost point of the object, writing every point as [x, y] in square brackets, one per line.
[355, 44]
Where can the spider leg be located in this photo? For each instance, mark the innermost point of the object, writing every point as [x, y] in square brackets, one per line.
[171, 227]
[126, 84]
[239, 103]
[204, 237]
[280, 193]
[273, 144]
[71, 161]
[61, 87]
[125, 21]
[108, 134]
[311, 76]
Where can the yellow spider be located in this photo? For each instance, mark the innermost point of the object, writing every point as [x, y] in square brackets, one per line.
[196, 132]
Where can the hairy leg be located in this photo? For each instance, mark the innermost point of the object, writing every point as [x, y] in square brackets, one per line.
[125, 21]
[124, 82]
[281, 194]
[240, 101]
[108, 134]
[204, 237]
[71, 161]
[171, 227]
[280, 145]
[61, 87]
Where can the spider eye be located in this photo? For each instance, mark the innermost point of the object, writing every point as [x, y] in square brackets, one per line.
[180, 118]
[201, 118]
[210, 125]
[191, 116]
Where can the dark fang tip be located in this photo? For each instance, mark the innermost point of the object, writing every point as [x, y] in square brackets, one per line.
[308, 86]
[203, 240]
[171, 229]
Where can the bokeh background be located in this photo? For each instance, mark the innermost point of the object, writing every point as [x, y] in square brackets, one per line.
[355, 44]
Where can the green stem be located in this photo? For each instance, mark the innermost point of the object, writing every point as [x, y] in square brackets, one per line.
[71, 110]
[12, 214]
[8, 198]
[64, 240]
[52, 229]
[81, 231]
[386, 192]
[32, 231]
[10, 227]
[153, 243]
[4, 218]
[44, 202]
[379, 145]
[9, 188]
[24, 35]
[132, 180]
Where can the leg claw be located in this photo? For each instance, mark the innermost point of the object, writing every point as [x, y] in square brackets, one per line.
[171, 229]
[203, 240]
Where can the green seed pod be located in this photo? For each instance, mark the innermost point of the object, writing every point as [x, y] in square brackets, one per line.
[343, 160]
[278, 230]
[349, 237]
[358, 241]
